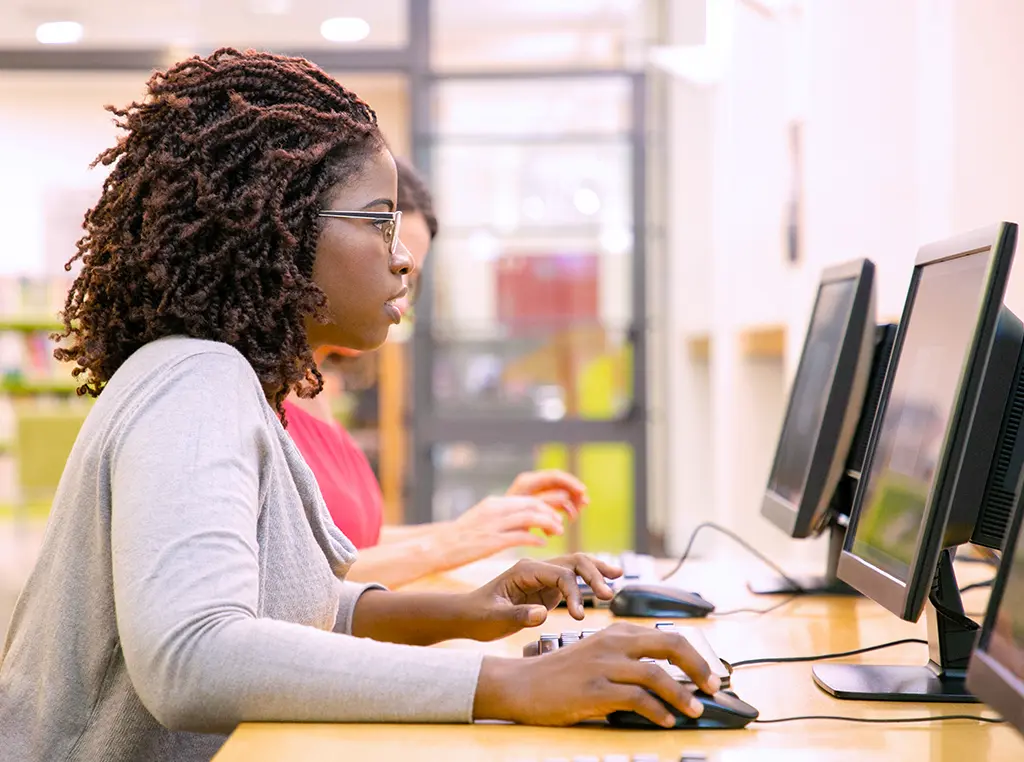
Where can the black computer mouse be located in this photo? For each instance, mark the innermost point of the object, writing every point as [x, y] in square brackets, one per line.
[659, 601]
[722, 711]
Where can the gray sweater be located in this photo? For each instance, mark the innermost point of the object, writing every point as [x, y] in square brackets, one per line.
[191, 579]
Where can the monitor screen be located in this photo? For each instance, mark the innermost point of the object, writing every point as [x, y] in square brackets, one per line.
[922, 397]
[1006, 639]
[811, 388]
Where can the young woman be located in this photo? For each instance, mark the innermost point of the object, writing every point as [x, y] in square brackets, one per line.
[397, 555]
[190, 577]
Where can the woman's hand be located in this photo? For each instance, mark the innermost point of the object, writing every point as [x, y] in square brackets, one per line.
[522, 596]
[558, 489]
[536, 500]
[493, 525]
[593, 678]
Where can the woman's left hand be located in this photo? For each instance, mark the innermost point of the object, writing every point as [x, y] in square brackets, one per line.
[557, 488]
[522, 596]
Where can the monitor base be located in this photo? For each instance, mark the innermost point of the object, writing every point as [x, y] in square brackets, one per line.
[869, 682]
[810, 584]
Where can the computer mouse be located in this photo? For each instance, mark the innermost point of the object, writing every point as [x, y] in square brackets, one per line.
[722, 711]
[659, 601]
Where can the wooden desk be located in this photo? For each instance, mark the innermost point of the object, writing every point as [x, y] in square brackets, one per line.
[805, 626]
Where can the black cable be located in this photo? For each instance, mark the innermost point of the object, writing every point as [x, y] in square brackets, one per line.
[822, 657]
[987, 556]
[884, 720]
[976, 585]
[778, 605]
[747, 546]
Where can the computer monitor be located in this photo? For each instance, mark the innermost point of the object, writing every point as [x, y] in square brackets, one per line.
[943, 462]
[843, 352]
[996, 671]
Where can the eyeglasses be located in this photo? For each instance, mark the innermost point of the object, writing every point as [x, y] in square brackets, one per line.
[388, 223]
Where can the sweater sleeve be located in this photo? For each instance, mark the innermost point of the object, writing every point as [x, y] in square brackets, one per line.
[185, 495]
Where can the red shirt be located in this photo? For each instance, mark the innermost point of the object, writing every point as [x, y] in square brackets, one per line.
[343, 473]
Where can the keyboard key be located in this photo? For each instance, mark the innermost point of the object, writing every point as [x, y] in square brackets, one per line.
[549, 642]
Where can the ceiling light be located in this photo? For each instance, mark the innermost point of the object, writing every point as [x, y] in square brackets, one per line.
[59, 32]
[616, 240]
[587, 201]
[534, 208]
[345, 29]
[270, 7]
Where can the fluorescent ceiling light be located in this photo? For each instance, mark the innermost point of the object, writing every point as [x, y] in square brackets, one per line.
[587, 201]
[270, 7]
[59, 32]
[345, 29]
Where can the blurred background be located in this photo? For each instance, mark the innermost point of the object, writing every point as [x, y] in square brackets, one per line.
[636, 199]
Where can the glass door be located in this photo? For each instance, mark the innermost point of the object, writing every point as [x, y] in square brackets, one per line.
[529, 346]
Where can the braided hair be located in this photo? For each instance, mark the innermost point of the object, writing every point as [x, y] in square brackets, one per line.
[207, 224]
[414, 195]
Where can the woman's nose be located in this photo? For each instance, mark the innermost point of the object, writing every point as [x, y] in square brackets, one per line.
[402, 262]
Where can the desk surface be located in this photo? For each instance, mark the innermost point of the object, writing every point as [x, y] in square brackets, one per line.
[804, 626]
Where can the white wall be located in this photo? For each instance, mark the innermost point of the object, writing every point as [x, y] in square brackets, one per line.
[988, 173]
[728, 179]
[911, 114]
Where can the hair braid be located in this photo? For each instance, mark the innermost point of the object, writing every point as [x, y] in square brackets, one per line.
[207, 224]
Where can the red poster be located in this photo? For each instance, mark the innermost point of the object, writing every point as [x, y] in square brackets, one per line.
[547, 291]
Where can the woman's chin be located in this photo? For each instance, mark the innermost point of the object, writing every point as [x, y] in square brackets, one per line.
[355, 344]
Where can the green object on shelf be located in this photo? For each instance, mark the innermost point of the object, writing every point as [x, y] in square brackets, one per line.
[605, 467]
[24, 387]
[43, 441]
[36, 510]
[30, 324]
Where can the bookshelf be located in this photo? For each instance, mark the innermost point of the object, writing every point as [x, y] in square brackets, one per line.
[39, 410]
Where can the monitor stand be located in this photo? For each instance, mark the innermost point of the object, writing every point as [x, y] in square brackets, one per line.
[951, 637]
[812, 584]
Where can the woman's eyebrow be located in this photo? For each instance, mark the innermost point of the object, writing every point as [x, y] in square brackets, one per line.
[386, 201]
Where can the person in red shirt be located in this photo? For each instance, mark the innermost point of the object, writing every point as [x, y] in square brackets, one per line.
[398, 555]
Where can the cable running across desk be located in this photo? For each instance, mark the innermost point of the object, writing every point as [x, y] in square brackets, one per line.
[779, 605]
[977, 585]
[822, 657]
[882, 720]
[739, 540]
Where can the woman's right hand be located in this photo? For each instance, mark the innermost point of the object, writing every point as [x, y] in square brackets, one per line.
[593, 678]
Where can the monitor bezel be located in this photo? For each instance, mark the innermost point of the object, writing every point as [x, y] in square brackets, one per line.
[844, 401]
[985, 674]
[906, 599]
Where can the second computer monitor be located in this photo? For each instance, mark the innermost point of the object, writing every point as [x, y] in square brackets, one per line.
[825, 401]
[996, 673]
[914, 489]
[943, 462]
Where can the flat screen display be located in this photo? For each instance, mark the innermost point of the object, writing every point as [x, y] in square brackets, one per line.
[921, 402]
[810, 390]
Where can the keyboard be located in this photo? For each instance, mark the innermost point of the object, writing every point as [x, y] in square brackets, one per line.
[549, 642]
[637, 568]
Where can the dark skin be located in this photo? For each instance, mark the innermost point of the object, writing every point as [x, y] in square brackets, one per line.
[603, 673]
[353, 266]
